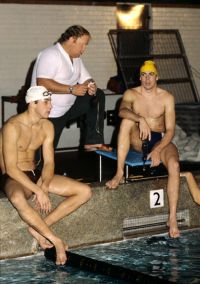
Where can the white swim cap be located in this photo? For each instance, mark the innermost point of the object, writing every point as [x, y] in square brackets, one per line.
[37, 93]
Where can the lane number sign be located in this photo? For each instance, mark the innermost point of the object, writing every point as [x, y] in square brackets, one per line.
[156, 198]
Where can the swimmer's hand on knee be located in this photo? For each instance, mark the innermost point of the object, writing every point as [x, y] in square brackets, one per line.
[43, 201]
[155, 158]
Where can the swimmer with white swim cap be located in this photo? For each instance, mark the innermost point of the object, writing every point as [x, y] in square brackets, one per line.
[37, 93]
[21, 137]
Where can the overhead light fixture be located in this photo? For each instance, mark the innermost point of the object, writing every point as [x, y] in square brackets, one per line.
[133, 16]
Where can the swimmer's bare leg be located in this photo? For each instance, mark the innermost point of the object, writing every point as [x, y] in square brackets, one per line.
[193, 186]
[172, 192]
[123, 146]
[169, 156]
[43, 242]
[76, 194]
[41, 231]
[116, 180]
[173, 228]
[18, 196]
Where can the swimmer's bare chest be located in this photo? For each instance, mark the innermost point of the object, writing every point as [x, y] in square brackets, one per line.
[26, 147]
[152, 111]
[28, 143]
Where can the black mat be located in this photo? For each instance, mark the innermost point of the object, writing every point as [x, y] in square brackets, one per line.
[100, 267]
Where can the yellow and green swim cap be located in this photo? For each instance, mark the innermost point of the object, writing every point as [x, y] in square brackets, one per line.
[148, 66]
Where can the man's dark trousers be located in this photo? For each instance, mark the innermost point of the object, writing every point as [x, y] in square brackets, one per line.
[90, 110]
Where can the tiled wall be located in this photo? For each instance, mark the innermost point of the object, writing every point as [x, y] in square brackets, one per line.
[26, 29]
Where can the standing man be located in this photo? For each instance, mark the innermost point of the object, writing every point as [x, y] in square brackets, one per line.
[60, 69]
[148, 118]
[20, 137]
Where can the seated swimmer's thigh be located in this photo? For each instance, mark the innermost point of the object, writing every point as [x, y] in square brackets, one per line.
[13, 187]
[135, 141]
[65, 186]
[170, 151]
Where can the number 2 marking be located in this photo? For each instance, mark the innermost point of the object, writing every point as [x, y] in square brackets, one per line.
[157, 203]
[156, 198]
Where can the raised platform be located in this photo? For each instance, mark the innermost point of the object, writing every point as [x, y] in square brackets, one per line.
[106, 217]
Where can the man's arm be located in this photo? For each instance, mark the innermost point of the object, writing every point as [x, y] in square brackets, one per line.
[58, 88]
[48, 155]
[126, 107]
[169, 123]
[126, 111]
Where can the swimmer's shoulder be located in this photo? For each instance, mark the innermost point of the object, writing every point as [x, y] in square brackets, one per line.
[164, 93]
[46, 123]
[47, 126]
[12, 123]
[166, 97]
[132, 93]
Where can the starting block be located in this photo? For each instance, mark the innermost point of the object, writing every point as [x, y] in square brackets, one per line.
[133, 159]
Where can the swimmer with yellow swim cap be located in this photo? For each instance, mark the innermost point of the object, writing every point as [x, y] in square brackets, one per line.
[147, 114]
[148, 66]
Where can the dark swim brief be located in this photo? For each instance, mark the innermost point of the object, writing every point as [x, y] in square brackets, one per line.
[147, 145]
[34, 175]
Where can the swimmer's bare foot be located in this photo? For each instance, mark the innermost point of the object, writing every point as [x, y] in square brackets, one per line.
[43, 242]
[115, 181]
[61, 248]
[94, 147]
[173, 229]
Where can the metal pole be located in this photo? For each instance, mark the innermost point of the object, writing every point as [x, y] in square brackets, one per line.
[100, 168]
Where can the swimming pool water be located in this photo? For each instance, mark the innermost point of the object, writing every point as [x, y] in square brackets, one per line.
[176, 260]
[38, 270]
